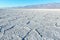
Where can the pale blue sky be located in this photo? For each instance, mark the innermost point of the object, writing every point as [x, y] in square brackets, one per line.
[14, 3]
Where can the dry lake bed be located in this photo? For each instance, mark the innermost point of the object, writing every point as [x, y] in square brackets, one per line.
[29, 24]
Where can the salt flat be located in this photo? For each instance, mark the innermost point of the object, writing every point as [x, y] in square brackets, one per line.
[29, 24]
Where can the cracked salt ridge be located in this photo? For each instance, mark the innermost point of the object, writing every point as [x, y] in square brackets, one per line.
[33, 35]
[28, 22]
[9, 28]
[0, 17]
[0, 28]
[38, 32]
[50, 34]
[19, 34]
[26, 35]
[23, 30]
[30, 32]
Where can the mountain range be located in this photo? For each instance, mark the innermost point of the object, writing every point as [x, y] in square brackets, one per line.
[43, 6]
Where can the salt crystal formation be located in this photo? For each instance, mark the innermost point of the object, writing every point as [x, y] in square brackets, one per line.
[29, 24]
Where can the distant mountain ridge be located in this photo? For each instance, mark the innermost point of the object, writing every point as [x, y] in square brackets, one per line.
[42, 6]
[38, 6]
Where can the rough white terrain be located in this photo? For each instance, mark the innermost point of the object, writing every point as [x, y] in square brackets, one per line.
[29, 24]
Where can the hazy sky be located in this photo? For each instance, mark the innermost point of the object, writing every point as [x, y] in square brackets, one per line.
[14, 3]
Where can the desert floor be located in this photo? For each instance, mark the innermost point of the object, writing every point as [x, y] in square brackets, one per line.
[29, 24]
